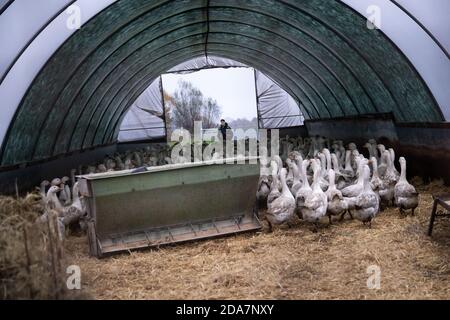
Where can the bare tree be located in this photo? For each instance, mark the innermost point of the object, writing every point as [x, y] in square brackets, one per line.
[190, 105]
[211, 113]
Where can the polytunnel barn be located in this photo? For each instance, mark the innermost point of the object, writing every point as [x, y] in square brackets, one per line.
[327, 76]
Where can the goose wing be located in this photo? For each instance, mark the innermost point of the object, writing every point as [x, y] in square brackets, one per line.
[314, 202]
[366, 200]
[281, 205]
[352, 191]
[405, 190]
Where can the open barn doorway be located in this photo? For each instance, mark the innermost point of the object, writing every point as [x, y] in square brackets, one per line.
[210, 95]
[210, 89]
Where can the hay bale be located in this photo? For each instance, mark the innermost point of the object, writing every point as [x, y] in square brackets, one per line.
[31, 255]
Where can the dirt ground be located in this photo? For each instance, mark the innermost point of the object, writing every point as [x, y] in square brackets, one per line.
[289, 263]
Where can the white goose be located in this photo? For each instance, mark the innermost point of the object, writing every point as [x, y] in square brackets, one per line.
[336, 203]
[392, 153]
[323, 171]
[328, 165]
[375, 182]
[341, 180]
[304, 190]
[42, 190]
[52, 199]
[76, 210]
[53, 207]
[263, 189]
[355, 189]
[296, 184]
[372, 151]
[386, 190]
[290, 173]
[316, 202]
[367, 204]
[282, 208]
[405, 195]
[348, 170]
[65, 196]
[274, 190]
[383, 161]
[56, 182]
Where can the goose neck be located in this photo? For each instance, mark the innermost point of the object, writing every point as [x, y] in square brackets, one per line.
[285, 189]
[375, 167]
[75, 191]
[316, 184]
[295, 171]
[305, 175]
[403, 171]
[328, 160]
[331, 178]
[366, 178]
[361, 173]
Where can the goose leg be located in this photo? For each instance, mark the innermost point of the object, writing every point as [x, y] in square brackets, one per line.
[329, 220]
[351, 216]
[270, 226]
[315, 227]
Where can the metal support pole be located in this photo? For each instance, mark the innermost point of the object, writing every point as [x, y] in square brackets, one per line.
[257, 98]
[164, 106]
[207, 32]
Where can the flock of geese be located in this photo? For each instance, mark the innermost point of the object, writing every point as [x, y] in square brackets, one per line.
[155, 155]
[314, 182]
[63, 203]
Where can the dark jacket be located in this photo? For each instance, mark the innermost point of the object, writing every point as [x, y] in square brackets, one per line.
[223, 129]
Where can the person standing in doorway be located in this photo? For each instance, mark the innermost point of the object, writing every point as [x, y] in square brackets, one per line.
[223, 128]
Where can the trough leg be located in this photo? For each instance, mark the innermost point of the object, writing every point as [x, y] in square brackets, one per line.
[433, 216]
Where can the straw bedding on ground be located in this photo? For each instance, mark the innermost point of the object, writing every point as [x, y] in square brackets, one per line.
[289, 263]
[31, 256]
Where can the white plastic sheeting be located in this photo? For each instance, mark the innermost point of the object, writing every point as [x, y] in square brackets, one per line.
[427, 57]
[276, 108]
[204, 62]
[29, 62]
[16, 33]
[144, 120]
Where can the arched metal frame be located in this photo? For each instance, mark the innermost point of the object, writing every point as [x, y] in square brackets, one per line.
[424, 28]
[319, 51]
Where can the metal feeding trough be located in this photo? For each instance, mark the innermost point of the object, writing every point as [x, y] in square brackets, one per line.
[169, 204]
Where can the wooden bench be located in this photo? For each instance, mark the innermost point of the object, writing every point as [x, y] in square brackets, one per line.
[444, 201]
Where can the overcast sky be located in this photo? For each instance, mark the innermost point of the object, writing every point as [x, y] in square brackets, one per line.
[233, 88]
